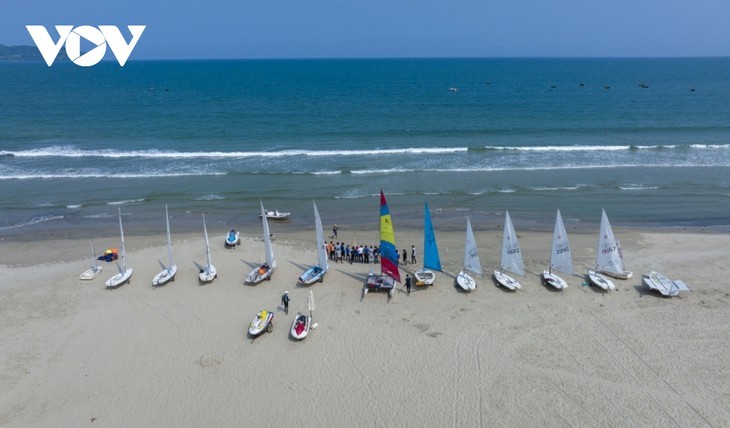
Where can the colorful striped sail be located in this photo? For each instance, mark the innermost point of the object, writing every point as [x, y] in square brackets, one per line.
[388, 250]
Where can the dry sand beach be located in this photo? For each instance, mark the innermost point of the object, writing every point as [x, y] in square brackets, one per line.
[77, 354]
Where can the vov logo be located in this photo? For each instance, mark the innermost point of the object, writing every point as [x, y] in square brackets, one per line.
[71, 37]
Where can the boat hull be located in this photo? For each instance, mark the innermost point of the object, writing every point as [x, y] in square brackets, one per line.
[622, 275]
[600, 281]
[506, 281]
[259, 274]
[379, 283]
[300, 326]
[312, 275]
[276, 215]
[552, 280]
[660, 283]
[263, 321]
[424, 277]
[120, 278]
[208, 274]
[165, 276]
[91, 273]
[465, 281]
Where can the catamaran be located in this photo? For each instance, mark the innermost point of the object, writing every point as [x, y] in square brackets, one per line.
[431, 260]
[560, 257]
[94, 270]
[609, 257]
[471, 261]
[667, 287]
[388, 255]
[318, 271]
[511, 257]
[125, 273]
[208, 272]
[168, 272]
[265, 270]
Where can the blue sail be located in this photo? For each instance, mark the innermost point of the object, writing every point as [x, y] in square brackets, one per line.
[431, 258]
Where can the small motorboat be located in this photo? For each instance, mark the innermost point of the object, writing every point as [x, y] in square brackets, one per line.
[233, 238]
[276, 215]
[300, 326]
[263, 321]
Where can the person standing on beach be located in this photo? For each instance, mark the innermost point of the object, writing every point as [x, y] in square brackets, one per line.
[334, 231]
[405, 257]
[408, 284]
[413, 254]
[285, 302]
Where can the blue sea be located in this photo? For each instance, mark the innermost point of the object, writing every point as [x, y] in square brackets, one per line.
[646, 139]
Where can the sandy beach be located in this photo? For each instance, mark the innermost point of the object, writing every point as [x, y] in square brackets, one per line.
[77, 354]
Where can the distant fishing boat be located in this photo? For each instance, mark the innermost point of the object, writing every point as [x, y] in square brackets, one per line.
[471, 261]
[318, 271]
[511, 256]
[94, 270]
[431, 259]
[125, 273]
[168, 272]
[389, 273]
[560, 257]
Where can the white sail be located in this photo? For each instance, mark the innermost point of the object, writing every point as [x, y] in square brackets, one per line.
[322, 259]
[124, 257]
[608, 253]
[561, 258]
[207, 245]
[267, 239]
[471, 254]
[511, 253]
[169, 240]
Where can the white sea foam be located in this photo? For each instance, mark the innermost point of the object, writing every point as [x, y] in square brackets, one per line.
[127, 201]
[32, 221]
[73, 207]
[638, 187]
[73, 152]
[210, 197]
[45, 176]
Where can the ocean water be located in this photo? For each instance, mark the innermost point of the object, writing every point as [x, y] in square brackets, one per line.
[646, 139]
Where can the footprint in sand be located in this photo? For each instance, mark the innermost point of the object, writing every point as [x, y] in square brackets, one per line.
[210, 360]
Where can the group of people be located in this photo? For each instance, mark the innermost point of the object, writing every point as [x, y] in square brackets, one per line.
[340, 253]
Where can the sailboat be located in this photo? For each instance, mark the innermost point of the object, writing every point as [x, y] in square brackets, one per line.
[317, 272]
[168, 272]
[609, 258]
[94, 270]
[125, 273]
[431, 258]
[208, 272]
[388, 255]
[560, 257]
[263, 271]
[511, 256]
[471, 261]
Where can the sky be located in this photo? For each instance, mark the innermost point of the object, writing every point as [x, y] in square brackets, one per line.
[196, 29]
